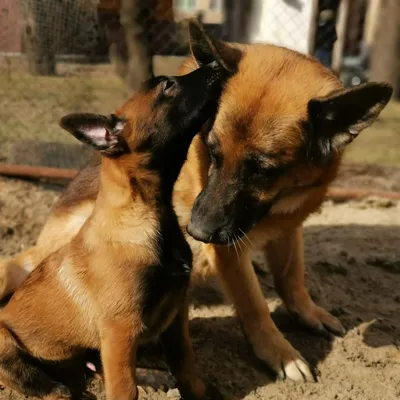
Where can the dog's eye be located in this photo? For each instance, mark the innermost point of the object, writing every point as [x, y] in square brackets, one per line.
[257, 171]
[216, 158]
[169, 87]
[264, 175]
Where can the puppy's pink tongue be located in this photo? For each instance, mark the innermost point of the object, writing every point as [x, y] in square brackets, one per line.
[91, 366]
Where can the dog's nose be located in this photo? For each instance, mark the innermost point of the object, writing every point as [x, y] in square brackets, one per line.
[199, 233]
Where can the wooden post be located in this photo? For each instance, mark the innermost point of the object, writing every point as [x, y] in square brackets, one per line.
[356, 13]
[313, 27]
[38, 37]
[385, 60]
[371, 21]
[135, 15]
[341, 27]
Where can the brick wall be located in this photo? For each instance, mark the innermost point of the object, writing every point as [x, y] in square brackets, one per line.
[10, 27]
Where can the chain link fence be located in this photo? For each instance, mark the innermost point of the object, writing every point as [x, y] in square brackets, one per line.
[63, 56]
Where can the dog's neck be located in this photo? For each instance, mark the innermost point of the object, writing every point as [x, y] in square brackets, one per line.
[131, 203]
[125, 186]
[167, 163]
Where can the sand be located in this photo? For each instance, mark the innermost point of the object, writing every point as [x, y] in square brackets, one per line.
[353, 269]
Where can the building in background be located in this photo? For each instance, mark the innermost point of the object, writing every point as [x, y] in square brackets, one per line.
[282, 22]
[10, 27]
[166, 36]
[212, 11]
[88, 27]
[287, 23]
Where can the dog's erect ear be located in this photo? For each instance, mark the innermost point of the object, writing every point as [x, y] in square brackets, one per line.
[205, 49]
[337, 119]
[100, 131]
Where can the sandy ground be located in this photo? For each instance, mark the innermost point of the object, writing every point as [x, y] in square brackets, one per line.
[353, 260]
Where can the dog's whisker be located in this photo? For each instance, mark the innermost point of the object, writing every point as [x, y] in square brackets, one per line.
[239, 239]
[244, 243]
[237, 242]
[237, 254]
[247, 237]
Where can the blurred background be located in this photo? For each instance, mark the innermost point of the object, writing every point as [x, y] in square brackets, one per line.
[63, 56]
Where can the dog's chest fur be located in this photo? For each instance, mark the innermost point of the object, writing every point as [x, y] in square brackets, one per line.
[165, 283]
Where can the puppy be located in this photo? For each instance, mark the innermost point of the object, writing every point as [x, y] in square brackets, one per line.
[123, 277]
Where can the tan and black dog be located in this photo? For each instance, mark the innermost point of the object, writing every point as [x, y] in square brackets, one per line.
[123, 277]
[276, 144]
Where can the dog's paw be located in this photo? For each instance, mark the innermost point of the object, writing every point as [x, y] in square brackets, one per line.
[282, 358]
[296, 370]
[320, 321]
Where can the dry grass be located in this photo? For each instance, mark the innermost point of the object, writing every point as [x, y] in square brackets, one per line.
[380, 144]
[30, 108]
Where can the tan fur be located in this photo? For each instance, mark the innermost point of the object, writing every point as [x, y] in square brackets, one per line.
[88, 270]
[274, 86]
[261, 108]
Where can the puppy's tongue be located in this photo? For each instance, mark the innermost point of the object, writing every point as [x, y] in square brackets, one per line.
[91, 366]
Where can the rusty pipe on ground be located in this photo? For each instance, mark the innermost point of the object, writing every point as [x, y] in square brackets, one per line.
[28, 171]
[46, 173]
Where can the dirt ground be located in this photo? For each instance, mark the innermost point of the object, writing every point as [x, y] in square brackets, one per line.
[353, 260]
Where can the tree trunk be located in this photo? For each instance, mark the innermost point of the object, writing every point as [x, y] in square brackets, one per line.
[38, 37]
[135, 18]
[385, 60]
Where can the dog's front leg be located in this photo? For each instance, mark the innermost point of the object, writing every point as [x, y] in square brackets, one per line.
[241, 284]
[285, 257]
[119, 345]
[181, 359]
